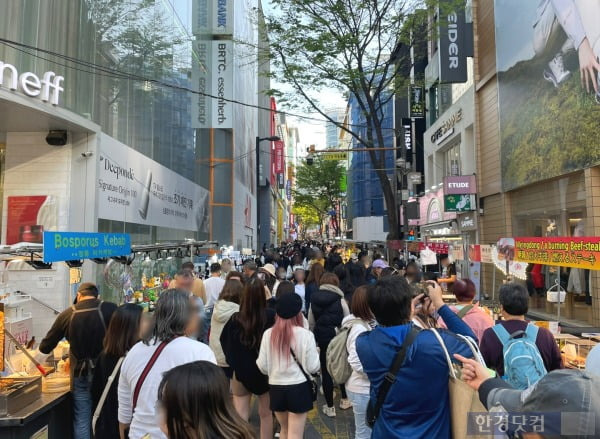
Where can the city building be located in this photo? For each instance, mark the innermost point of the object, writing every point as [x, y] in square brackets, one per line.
[537, 152]
[332, 131]
[110, 127]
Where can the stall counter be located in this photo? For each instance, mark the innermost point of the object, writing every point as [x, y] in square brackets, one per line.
[52, 411]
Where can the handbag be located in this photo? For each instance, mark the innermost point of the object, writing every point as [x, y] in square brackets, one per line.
[389, 378]
[312, 383]
[463, 399]
[111, 378]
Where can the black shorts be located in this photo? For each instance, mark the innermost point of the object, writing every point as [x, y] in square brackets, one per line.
[295, 398]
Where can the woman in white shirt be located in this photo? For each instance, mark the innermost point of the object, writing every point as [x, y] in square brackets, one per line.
[176, 319]
[288, 354]
[358, 384]
[300, 286]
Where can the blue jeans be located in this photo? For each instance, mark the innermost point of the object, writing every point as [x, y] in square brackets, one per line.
[359, 406]
[82, 407]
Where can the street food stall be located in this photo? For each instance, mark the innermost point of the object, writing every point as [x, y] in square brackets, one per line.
[35, 402]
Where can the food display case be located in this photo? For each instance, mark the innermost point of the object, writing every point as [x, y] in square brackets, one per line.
[17, 393]
[576, 351]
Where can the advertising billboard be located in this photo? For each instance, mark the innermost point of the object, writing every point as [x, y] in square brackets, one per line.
[134, 188]
[546, 56]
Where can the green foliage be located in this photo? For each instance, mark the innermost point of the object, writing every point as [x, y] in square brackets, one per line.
[318, 188]
[545, 132]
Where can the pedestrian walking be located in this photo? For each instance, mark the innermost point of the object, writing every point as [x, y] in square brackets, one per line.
[288, 355]
[124, 331]
[168, 345]
[194, 403]
[312, 282]
[240, 340]
[327, 310]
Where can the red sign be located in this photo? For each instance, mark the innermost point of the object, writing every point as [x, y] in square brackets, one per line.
[22, 223]
[577, 252]
[475, 253]
[460, 185]
[441, 248]
[279, 159]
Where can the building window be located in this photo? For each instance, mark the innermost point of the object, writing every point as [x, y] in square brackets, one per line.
[452, 160]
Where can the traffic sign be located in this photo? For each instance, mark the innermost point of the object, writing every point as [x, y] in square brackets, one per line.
[335, 156]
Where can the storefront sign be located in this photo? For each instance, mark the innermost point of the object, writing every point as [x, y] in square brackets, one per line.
[416, 104]
[486, 253]
[441, 248]
[576, 252]
[212, 73]
[460, 184]
[434, 212]
[212, 17]
[458, 252]
[452, 50]
[447, 128]
[27, 216]
[407, 130]
[279, 159]
[467, 223]
[474, 253]
[48, 88]
[288, 190]
[335, 156]
[459, 203]
[135, 189]
[69, 246]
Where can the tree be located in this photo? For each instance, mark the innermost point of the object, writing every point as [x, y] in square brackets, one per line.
[307, 217]
[318, 189]
[357, 47]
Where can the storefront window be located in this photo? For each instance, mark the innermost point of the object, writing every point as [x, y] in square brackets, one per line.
[555, 208]
[452, 160]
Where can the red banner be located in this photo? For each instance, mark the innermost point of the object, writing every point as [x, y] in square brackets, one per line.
[279, 159]
[441, 248]
[475, 253]
[22, 223]
[577, 252]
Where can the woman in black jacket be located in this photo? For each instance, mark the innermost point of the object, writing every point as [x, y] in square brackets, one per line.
[240, 340]
[124, 330]
[327, 310]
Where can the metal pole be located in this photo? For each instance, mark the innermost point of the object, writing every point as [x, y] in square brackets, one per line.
[257, 152]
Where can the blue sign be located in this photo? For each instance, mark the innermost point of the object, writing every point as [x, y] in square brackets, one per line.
[69, 246]
[288, 189]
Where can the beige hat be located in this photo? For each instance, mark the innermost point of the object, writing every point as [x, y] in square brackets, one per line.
[269, 268]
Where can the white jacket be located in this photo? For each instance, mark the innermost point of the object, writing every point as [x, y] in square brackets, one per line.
[358, 381]
[222, 312]
[285, 371]
[567, 14]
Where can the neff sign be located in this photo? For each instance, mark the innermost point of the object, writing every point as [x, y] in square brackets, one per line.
[48, 88]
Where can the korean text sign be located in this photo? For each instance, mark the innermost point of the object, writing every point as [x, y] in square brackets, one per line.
[69, 246]
[576, 252]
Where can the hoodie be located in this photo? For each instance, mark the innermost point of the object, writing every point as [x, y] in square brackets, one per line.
[327, 309]
[222, 312]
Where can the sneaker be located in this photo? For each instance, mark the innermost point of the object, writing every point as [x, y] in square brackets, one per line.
[329, 411]
[556, 72]
[345, 404]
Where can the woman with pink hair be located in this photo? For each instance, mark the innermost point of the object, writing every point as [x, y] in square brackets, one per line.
[288, 355]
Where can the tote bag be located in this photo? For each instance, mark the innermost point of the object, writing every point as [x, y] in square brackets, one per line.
[463, 399]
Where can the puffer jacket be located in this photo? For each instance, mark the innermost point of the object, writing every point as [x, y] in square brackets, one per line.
[327, 309]
[221, 314]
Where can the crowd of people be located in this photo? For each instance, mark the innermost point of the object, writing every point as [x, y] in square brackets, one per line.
[298, 321]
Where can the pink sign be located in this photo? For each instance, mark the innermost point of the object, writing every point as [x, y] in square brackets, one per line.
[460, 185]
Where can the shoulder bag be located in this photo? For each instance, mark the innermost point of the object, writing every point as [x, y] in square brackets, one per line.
[111, 378]
[464, 401]
[146, 371]
[309, 380]
[389, 378]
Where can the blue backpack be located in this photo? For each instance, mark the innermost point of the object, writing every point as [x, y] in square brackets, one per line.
[523, 364]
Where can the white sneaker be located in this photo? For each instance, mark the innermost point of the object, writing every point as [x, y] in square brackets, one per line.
[329, 411]
[556, 72]
[345, 404]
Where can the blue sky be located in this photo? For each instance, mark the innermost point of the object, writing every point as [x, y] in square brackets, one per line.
[514, 31]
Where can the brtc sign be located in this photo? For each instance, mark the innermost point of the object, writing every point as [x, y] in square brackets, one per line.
[69, 246]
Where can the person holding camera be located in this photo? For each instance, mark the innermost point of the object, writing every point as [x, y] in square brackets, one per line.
[424, 371]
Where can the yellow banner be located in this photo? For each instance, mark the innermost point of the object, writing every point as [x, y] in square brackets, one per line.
[335, 156]
[576, 252]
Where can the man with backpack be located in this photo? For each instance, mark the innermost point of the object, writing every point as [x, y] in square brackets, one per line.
[519, 351]
[83, 325]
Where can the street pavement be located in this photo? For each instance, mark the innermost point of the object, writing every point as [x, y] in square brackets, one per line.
[320, 426]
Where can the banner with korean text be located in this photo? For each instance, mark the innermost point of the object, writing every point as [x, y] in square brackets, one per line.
[577, 252]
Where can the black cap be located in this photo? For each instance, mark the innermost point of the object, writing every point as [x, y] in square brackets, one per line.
[88, 289]
[288, 305]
